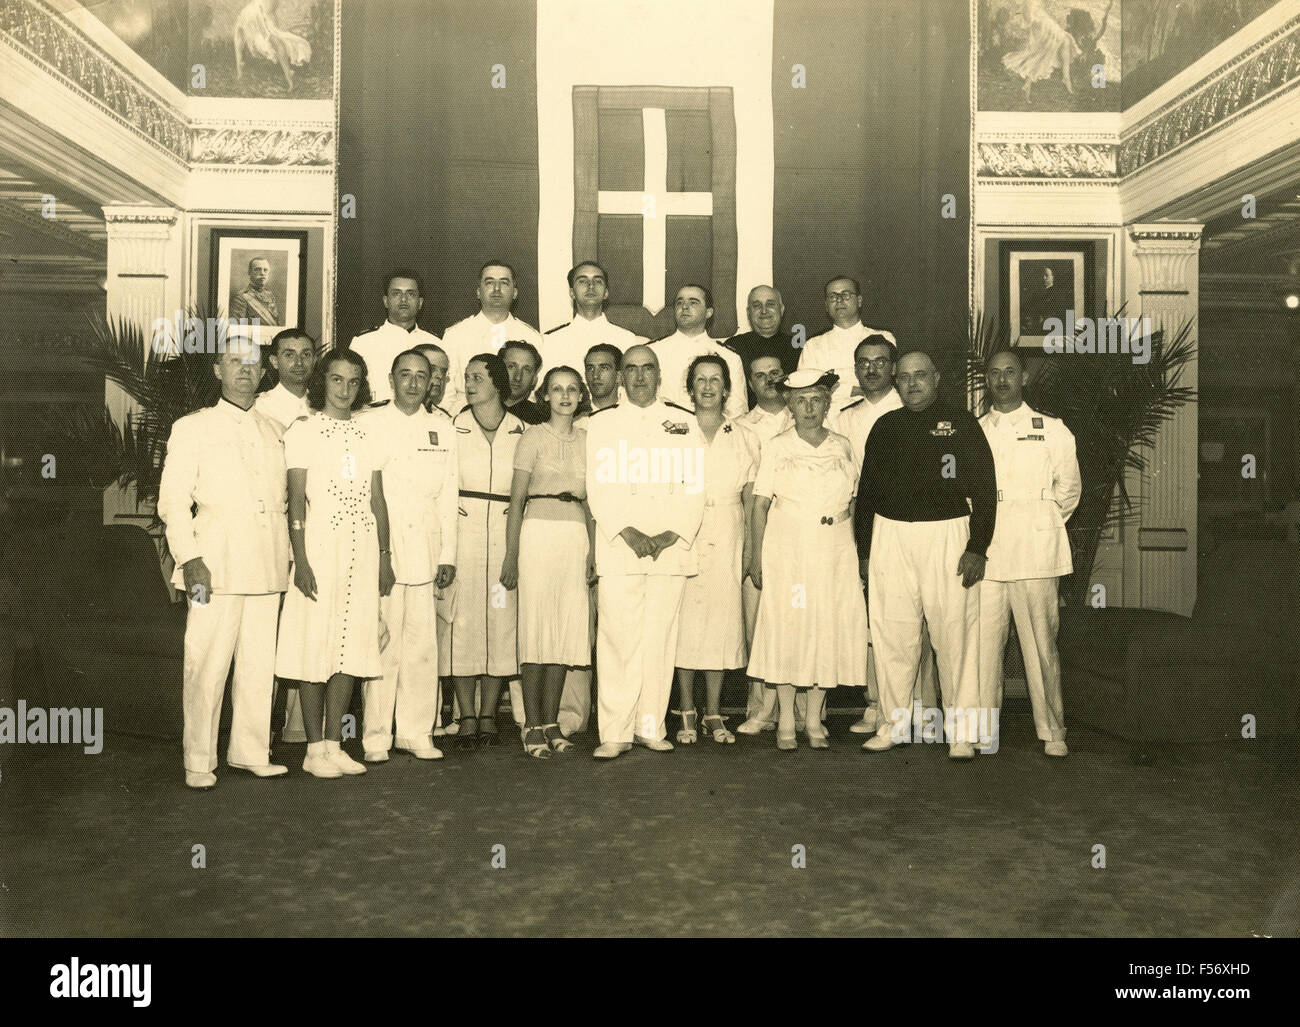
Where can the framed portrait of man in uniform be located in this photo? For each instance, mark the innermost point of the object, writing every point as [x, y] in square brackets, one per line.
[1044, 285]
[259, 276]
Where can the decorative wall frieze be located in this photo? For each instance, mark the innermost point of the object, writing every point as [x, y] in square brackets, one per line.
[1263, 72]
[35, 30]
[261, 146]
[1046, 159]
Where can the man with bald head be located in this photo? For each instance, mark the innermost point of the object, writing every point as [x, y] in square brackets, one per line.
[923, 550]
[645, 488]
[766, 337]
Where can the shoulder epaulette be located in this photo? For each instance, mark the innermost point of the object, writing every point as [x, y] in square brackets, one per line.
[855, 403]
[374, 329]
[678, 406]
[612, 406]
[557, 328]
[381, 403]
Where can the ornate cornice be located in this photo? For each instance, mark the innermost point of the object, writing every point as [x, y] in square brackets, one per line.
[1046, 159]
[38, 33]
[261, 146]
[1262, 72]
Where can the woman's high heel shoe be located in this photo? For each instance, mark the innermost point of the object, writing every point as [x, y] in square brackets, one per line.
[538, 750]
[556, 738]
[718, 728]
[687, 734]
[786, 743]
[466, 740]
[819, 740]
[488, 738]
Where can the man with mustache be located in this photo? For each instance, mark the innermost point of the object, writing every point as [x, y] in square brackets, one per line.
[379, 346]
[256, 300]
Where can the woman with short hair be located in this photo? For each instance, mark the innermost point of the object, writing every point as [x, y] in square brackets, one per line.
[812, 619]
[338, 528]
[550, 557]
[711, 638]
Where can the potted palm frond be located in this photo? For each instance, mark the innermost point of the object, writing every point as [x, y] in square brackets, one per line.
[1114, 407]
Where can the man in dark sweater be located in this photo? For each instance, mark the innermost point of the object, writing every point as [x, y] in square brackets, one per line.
[922, 551]
[766, 337]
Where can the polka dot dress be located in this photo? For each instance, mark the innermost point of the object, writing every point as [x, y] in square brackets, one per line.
[339, 631]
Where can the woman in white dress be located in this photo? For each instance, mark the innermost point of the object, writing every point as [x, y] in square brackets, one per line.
[479, 651]
[812, 618]
[338, 527]
[256, 31]
[549, 555]
[712, 633]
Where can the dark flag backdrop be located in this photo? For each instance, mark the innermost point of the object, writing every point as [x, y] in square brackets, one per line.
[444, 167]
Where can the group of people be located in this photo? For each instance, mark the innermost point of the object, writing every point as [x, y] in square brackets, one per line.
[504, 509]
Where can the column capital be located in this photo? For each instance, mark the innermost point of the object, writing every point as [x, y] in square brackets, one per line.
[1166, 252]
[138, 238]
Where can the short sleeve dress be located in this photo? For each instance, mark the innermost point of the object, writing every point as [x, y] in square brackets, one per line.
[712, 631]
[338, 633]
[812, 617]
[554, 611]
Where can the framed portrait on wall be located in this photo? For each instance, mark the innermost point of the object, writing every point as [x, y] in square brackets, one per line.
[259, 275]
[1042, 283]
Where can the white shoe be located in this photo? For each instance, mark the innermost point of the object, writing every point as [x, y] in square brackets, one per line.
[342, 760]
[423, 752]
[654, 744]
[1056, 749]
[265, 770]
[961, 751]
[319, 765]
[754, 725]
[868, 724]
[194, 779]
[376, 756]
[879, 743]
[611, 750]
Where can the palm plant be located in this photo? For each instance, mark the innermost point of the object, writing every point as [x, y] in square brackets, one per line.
[1114, 407]
[163, 383]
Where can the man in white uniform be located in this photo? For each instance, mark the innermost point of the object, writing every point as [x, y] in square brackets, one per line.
[222, 500]
[833, 349]
[487, 331]
[1038, 489]
[569, 344]
[439, 370]
[645, 487]
[603, 368]
[380, 346]
[417, 451]
[293, 356]
[692, 310]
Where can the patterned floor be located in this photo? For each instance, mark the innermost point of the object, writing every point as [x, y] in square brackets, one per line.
[694, 842]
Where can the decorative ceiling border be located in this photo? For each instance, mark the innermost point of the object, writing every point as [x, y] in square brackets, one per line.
[1094, 161]
[1259, 75]
[36, 31]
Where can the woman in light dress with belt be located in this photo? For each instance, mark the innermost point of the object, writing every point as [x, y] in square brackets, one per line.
[812, 618]
[478, 647]
[338, 527]
[549, 556]
[712, 633]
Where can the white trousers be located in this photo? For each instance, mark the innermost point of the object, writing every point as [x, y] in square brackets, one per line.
[912, 574]
[409, 686]
[636, 651]
[1033, 602]
[229, 627]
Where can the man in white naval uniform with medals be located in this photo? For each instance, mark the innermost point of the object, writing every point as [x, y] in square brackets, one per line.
[1038, 489]
[645, 488]
[487, 331]
[421, 482]
[222, 499]
[380, 346]
[568, 346]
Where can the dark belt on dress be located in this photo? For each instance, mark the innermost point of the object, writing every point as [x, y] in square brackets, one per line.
[563, 497]
[491, 497]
